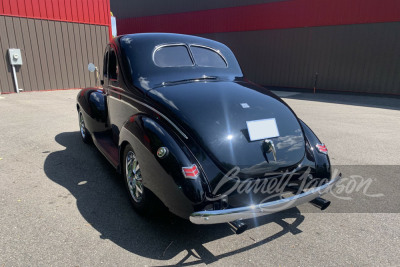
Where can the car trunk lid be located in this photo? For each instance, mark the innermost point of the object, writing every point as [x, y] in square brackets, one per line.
[216, 113]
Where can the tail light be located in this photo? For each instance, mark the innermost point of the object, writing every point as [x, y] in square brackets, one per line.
[322, 148]
[190, 172]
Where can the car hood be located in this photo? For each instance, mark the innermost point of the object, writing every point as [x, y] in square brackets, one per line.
[215, 114]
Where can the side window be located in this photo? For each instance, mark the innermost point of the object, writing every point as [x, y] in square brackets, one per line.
[105, 64]
[112, 65]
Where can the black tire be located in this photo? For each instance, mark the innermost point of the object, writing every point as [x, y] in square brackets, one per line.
[85, 134]
[142, 199]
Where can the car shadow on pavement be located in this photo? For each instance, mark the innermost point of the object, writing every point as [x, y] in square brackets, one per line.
[102, 201]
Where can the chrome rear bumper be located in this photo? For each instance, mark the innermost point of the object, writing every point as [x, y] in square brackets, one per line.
[229, 215]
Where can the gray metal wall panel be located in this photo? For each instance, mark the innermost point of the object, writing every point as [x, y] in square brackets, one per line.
[49, 54]
[130, 9]
[6, 83]
[11, 39]
[55, 54]
[92, 48]
[36, 63]
[359, 58]
[88, 45]
[85, 57]
[61, 53]
[22, 73]
[43, 56]
[75, 82]
[79, 55]
[67, 56]
[28, 57]
[13, 44]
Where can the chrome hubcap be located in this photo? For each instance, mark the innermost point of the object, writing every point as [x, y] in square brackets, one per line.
[82, 125]
[133, 176]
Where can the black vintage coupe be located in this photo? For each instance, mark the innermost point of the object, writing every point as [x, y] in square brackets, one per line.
[183, 125]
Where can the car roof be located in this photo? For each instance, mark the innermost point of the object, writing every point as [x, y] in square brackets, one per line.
[162, 38]
[136, 52]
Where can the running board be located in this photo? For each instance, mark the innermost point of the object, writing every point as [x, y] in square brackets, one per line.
[107, 147]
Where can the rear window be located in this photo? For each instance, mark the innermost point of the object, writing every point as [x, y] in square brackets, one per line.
[172, 56]
[206, 57]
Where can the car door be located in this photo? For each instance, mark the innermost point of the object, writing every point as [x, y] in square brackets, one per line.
[119, 110]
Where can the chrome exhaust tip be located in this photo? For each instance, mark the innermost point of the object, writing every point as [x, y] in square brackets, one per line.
[320, 203]
[238, 226]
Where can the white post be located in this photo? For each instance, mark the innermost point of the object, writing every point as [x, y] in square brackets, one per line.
[15, 79]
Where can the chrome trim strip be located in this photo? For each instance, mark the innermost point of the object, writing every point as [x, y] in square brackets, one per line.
[151, 108]
[229, 215]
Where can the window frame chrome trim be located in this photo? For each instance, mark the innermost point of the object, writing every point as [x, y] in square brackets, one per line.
[212, 49]
[158, 47]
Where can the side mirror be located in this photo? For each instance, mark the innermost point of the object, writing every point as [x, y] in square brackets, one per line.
[102, 82]
[91, 67]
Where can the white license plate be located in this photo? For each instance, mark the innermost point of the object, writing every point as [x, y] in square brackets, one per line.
[262, 129]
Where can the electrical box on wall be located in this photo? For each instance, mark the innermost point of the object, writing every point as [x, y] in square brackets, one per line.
[15, 60]
[15, 56]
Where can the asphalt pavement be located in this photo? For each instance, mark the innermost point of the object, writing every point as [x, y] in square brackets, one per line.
[62, 204]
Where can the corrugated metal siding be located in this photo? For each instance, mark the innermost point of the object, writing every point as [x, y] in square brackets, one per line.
[55, 54]
[276, 15]
[130, 9]
[80, 11]
[358, 58]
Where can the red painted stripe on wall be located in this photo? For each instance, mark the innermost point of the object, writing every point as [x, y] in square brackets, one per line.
[276, 15]
[21, 7]
[35, 9]
[63, 15]
[42, 9]
[6, 6]
[68, 10]
[85, 11]
[79, 11]
[28, 8]
[13, 6]
[74, 7]
[90, 15]
[49, 8]
[56, 10]
[101, 12]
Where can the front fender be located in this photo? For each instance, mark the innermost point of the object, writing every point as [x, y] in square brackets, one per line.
[164, 176]
[91, 102]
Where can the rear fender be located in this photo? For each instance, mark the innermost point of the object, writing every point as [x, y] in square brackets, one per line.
[163, 176]
[322, 163]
